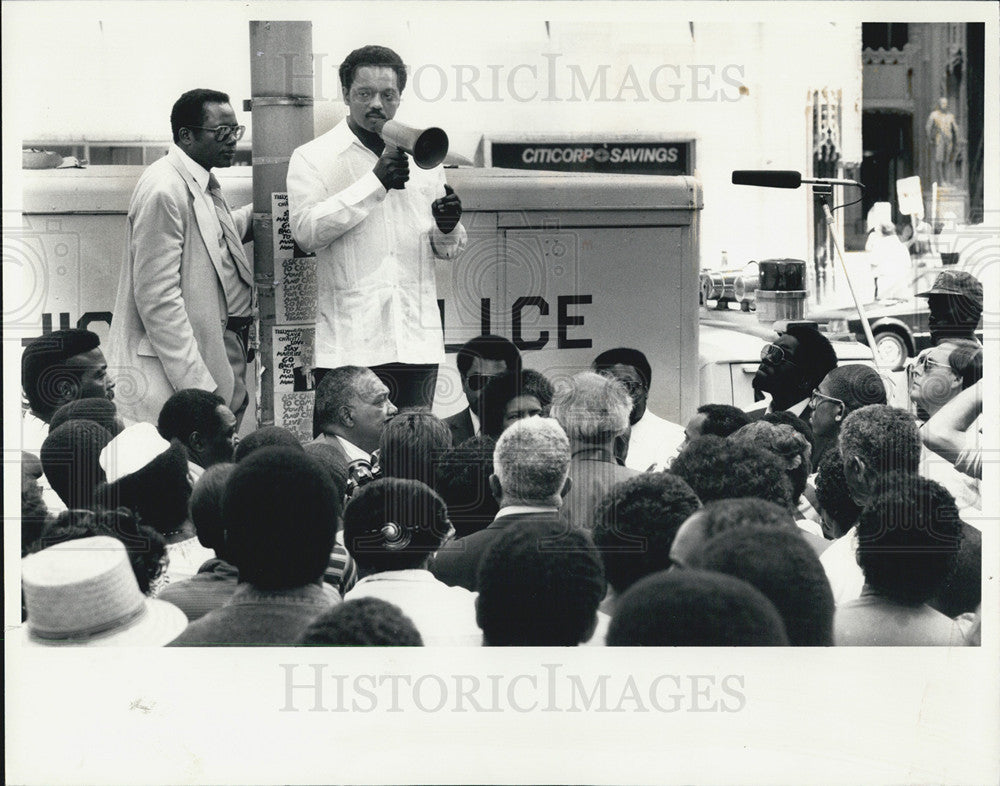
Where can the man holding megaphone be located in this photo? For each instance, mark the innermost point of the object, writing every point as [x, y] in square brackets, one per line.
[376, 226]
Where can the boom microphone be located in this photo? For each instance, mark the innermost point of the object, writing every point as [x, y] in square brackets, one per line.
[783, 178]
[773, 178]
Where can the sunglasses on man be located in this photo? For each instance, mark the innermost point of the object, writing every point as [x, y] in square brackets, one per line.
[224, 133]
[479, 381]
[919, 364]
[776, 354]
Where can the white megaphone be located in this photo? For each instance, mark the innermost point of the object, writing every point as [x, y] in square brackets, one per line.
[428, 146]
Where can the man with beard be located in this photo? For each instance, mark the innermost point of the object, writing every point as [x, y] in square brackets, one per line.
[376, 227]
[790, 369]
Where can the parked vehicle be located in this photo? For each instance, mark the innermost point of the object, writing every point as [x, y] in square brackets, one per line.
[900, 328]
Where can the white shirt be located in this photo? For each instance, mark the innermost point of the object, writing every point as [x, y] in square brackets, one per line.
[445, 616]
[185, 557]
[375, 253]
[842, 569]
[34, 430]
[653, 441]
[517, 510]
[237, 291]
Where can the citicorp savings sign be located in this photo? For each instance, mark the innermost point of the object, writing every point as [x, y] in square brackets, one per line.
[632, 158]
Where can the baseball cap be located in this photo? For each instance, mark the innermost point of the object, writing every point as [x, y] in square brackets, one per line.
[956, 282]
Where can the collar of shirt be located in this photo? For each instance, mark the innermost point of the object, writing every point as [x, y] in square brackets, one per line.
[409, 574]
[309, 595]
[477, 429]
[195, 471]
[796, 408]
[198, 172]
[596, 453]
[353, 451]
[516, 510]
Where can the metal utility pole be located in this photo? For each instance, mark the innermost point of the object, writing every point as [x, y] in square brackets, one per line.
[281, 106]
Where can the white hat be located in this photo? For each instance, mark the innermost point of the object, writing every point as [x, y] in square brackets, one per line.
[132, 450]
[84, 593]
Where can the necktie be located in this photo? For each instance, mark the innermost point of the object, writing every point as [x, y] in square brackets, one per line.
[233, 241]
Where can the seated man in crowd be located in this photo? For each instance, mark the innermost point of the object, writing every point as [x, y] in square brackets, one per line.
[352, 407]
[57, 368]
[530, 477]
[539, 586]
[651, 440]
[635, 528]
[279, 511]
[593, 411]
[719, 420]
[781, 565]
[203, 424]
[392, 528]
[694, 608]
[791, 368]
[842, 391]
[479, 360]
[908, 537]
[511, 396]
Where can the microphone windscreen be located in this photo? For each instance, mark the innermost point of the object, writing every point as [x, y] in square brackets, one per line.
[769, 178]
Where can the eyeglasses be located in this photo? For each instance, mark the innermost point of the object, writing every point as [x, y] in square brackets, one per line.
[818, 398]
[366, 94]
[775, 354]
[479, 381]
[920, 363]
[224, 133]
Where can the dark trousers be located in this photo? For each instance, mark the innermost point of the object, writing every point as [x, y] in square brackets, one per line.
[411, 385]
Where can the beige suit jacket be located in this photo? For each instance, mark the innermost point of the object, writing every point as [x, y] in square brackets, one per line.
[170, 310]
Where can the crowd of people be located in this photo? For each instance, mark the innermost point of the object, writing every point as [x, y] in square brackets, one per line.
[541, 514]
[822, 517]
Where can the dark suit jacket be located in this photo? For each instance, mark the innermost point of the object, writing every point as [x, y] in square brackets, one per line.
[594, 473]
[458, 562]
[461, 426]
